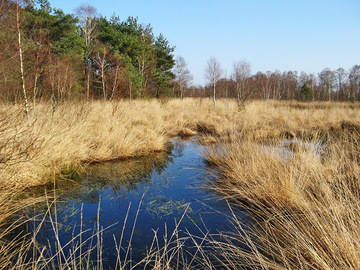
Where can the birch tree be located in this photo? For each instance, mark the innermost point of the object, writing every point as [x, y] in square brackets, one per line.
[327, 79]
[240, 75]
[213, 73]
[87, 15]
[340, 75]
[20, 47]
[183, 75]
[102, 63]
[354, 77]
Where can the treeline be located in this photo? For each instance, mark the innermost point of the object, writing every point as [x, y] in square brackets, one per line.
[47, 54]
[328, 85]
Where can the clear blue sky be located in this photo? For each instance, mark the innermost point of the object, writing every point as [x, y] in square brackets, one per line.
[299, 35]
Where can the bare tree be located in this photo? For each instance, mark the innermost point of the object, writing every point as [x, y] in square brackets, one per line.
[87, 15]
[20, 44]
[327, 79]
[354, 78]
[182, 73]
[213, 73]
[101, 60]
[87, 20]
[240, 75]
[312, 83]
[340, 75]
[290, 80]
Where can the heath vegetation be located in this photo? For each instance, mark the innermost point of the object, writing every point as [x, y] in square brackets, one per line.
[293, 166]
[82, 89]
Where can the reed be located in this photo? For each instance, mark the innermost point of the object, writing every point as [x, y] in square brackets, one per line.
[64, 138]
[85, 248]
[303, 200]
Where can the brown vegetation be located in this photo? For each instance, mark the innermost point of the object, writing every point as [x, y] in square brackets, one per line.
[67, 136]
[303, 197]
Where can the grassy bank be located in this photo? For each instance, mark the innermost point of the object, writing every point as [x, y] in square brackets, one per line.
[304, 198]
[61, 139]
[302, 193]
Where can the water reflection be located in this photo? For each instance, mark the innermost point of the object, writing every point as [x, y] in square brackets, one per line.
[164, 185]
[287, 148]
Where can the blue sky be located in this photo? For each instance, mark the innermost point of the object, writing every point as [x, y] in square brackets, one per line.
[307, 35]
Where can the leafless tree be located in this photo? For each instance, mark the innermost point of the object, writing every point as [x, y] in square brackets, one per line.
[87, 15]
[213, 73]
[182, 73]
[312, 83]
[87, 19]
[303, 78]
[327, 79]
[20, 44]
[102, 63]
[340, 76]
[240, 75]
[354, 78]
[276, 85]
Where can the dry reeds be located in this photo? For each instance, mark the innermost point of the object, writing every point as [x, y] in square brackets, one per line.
[303, 200]
[85, 248]
[62, 138]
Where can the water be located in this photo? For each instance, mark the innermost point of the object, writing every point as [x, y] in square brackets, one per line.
[164, 187]
[287, 148]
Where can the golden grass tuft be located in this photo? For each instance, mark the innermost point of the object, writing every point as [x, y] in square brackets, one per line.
[207, 140]
[305, 202]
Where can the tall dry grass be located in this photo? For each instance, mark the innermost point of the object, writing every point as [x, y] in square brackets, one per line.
[305, 205]
[304, 200]
[85, 250]
[62, 138]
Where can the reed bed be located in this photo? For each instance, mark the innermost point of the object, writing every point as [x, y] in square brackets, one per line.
[62, 139]
[85, 250]
[304, 199]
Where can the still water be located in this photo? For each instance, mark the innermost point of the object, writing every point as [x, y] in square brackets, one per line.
[155, 191]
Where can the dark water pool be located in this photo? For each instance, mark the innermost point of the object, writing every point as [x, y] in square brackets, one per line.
[163, 187]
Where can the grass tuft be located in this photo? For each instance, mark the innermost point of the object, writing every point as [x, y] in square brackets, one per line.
[294, 166]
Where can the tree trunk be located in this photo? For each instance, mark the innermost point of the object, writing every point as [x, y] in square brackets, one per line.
[22, 62]
[313, 90]
[214, 100]
[87, 76]
[142, 72]
[181, 91]
[35, 89]
[130, 88]
[103, 81]
[115, 82]
[238, 92]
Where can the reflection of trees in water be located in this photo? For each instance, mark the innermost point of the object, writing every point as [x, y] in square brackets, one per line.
[179, 146]
[120, 177]
[119, 184]
[127, 174]
[115, 179]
